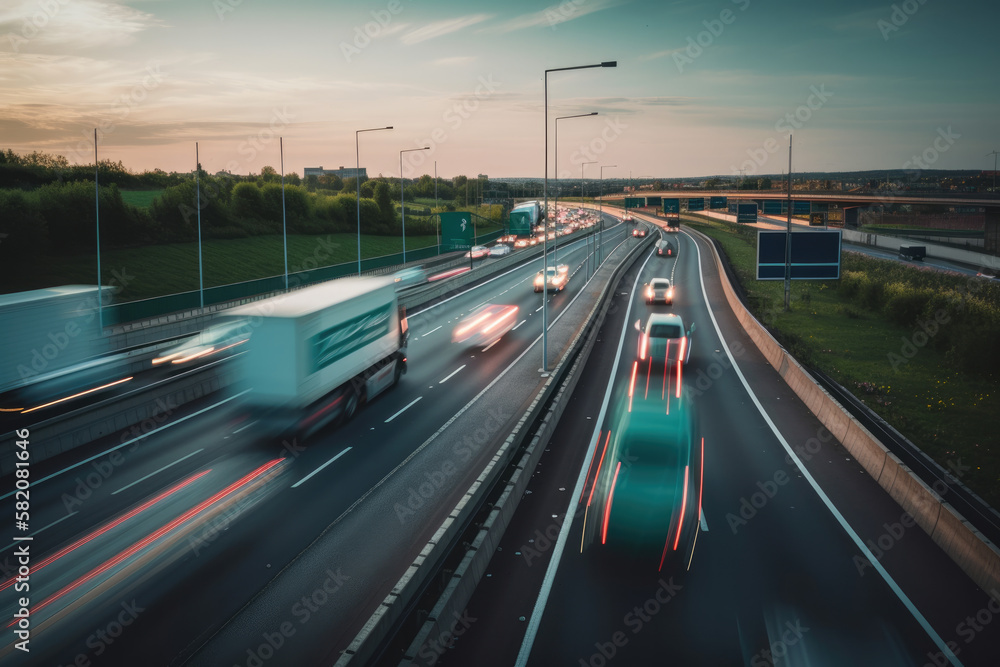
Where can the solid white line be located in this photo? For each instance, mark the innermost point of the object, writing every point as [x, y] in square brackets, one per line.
[243, 428]
[404, 409]
[135, 439]
[550, 572]
[519, 324]
[431, 331]
[940, 643]
[451, 374]
[491, 344]
[13, 544]
[538, 309]
[143, 479]
[320, 468]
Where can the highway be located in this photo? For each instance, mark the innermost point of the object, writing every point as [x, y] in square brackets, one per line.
[195, 542]
[801, 557]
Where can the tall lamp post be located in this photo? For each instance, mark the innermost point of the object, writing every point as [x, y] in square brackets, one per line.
[582, 165]
[402, 194]
[545, 191]
[600, 204]
[555, 203]
[357, 177]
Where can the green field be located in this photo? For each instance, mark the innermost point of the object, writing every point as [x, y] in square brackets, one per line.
[948, 414]
[168, 269]
[140, 198]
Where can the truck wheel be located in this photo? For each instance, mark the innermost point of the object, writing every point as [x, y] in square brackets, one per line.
[351, 407]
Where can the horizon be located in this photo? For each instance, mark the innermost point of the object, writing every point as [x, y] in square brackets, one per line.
[697, 89]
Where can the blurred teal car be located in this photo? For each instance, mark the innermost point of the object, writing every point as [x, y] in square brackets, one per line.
[648, 498]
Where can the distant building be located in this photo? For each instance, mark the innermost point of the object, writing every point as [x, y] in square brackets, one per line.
[343, 172]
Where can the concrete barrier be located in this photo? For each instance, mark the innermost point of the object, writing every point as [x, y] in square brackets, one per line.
[971, 550]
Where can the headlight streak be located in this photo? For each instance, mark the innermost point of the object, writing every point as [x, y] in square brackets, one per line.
[108, 526]
[82, 393]
[157, 534]
[607, 509]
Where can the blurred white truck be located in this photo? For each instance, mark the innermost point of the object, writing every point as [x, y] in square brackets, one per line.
[316, 354]
[46, 331]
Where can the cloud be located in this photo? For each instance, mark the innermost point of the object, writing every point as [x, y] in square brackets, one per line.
[440, 28]
[552, 16]
[454, 60]
[79, 24]
[659, 54]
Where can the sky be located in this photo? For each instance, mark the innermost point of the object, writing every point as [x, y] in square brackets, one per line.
[700, 88]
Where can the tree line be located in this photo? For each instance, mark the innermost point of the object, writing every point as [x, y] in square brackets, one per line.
[47, 205]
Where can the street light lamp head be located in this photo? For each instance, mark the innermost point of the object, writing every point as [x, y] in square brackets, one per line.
[610, 63]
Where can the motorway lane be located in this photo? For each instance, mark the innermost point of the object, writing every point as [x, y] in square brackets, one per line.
[215, 581]
[755, 584]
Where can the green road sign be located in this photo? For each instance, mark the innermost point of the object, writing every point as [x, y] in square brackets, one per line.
[671, 205]
[635, 202]
[457, 231]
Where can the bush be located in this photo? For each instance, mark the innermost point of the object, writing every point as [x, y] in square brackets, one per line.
[905, 304]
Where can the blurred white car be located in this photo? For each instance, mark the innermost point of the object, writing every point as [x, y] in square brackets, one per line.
[485, 325]
[414, 275]
[215, 342]
[664, 338]
[500, 250]
[554, 280]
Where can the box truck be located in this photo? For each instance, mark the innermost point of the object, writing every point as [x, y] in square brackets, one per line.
[317, 354]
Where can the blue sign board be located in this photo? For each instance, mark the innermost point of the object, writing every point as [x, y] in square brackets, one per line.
[672, 206]
[774, 207]
[717, 202]
[815, 255]
[653, 201]
[746, 212]
[696, 204]
[801, 208]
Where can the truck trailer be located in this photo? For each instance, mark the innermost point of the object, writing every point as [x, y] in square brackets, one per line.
[315, 355]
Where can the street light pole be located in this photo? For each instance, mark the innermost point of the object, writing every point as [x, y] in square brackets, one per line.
[357, 177]
[589, 235]
[600, 205]
[402, 195]
[545, 192]
[994, 154]
[555, 203]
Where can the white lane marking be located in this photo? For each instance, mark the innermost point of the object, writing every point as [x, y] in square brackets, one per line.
[135, 439]
[451, 374]
[538, 309]
[304, 479]
[940, 643]
[431, 331]
[550, 572]
[491, 344]
[40, 530]
[410, 405]
[143, 479]
[704, 523]
[519, 324]
[243, 428]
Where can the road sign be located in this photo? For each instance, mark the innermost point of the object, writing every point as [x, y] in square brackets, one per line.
[815, 255]
[746, 212]
[774, 207]
[817, 219]
[653, 201]
[635, 202]
[717, 202]
[801, 208]
[696, 204]
[457, 230]
[672, 206]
